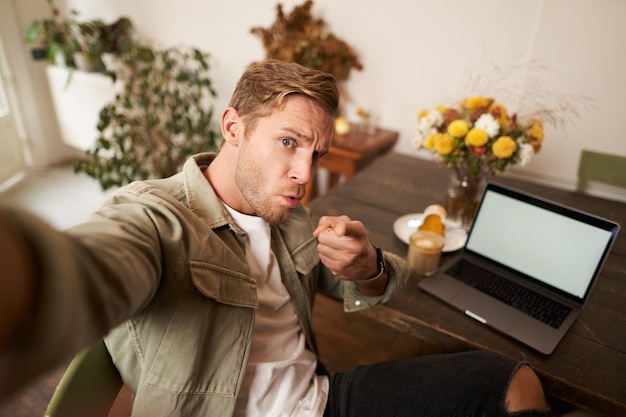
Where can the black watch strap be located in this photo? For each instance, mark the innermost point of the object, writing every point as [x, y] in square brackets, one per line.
[382, 268]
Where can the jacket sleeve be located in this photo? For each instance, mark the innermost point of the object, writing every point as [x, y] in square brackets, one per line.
[399, 274]
[353, 300]
[89, 279]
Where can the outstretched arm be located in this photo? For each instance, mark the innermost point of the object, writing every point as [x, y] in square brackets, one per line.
[18, 287]
[62, 290]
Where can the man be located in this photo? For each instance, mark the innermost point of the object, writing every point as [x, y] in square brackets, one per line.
[203, 283]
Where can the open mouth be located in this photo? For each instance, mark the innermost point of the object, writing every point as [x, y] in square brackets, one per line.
[293, 200]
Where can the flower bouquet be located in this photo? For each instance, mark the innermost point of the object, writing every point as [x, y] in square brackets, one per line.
[479, 136]
[476, 139]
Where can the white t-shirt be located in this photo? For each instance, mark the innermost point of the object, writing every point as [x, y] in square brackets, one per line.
[280, 377]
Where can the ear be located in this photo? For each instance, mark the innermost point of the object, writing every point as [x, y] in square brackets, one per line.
[232, 126]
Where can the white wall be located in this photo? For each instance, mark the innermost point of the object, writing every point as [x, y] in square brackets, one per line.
[417, 54]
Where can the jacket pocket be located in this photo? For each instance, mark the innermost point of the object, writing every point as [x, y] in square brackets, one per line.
[204, 348]
[224, 285]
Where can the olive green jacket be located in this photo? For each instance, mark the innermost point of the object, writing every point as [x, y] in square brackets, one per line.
[167, 254]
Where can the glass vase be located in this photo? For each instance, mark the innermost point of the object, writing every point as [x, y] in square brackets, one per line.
[463, 195]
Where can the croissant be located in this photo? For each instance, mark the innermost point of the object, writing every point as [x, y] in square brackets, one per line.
[434, 216]
[433, 223]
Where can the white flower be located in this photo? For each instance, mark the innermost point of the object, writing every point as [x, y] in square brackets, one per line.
[526, 153]
[431, 120]
[487, 123]
[418, 142]
[427, 126]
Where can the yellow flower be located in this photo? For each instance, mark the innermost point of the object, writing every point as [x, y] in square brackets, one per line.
[422, 114]
[441, 108]
[477, 102]
[444, 143]
[476, 137]
[458, 128]
[504, 147]
[429, 142]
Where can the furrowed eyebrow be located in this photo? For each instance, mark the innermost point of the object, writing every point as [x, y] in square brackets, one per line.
[320, 154]
[300, 136]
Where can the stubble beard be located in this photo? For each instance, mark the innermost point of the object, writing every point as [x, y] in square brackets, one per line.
[250, 181]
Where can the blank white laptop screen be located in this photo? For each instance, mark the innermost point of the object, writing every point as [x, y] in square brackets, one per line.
[547, 246]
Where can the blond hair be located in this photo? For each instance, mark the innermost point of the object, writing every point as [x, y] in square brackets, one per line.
[263, 87]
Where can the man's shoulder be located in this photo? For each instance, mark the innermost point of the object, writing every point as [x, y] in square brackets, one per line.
[163, 188]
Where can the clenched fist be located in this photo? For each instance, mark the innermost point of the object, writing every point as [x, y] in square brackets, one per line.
[344, 249]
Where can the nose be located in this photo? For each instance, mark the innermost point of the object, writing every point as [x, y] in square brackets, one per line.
[302, 170]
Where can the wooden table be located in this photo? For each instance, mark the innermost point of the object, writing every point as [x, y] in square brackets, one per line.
[350, 153]
[588, 367]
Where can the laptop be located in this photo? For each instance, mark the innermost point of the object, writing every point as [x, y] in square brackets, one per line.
[527, 267]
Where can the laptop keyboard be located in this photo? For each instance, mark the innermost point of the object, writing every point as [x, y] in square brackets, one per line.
[536, 305]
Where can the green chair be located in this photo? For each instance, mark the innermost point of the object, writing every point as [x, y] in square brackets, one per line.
[601, 167]
[88, 387]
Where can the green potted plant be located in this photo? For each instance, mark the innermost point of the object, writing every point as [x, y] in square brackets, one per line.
[90, 41]
[117, 36]
[94, 39]
[163, 115]
[79, 44]
[56, 34]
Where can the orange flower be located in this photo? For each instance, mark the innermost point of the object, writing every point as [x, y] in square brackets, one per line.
[499, 112]
[536, 129]
[536, 144]
[478, 102]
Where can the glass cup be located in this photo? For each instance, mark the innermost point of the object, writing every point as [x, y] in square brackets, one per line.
[425, 252]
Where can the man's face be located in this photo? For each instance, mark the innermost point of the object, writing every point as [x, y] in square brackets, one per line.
[280, 156]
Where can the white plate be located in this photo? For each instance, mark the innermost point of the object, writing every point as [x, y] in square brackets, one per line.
[454, 238]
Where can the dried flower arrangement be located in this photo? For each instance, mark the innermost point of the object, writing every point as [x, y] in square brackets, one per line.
[298, 37]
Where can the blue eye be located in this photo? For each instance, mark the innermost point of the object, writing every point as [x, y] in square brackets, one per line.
[288, 142]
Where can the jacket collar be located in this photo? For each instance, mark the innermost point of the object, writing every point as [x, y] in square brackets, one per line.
[201, 197]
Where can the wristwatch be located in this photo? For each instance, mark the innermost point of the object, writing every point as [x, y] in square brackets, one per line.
[382, 268]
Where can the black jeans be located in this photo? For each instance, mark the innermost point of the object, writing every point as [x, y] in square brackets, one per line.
[452, 385]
